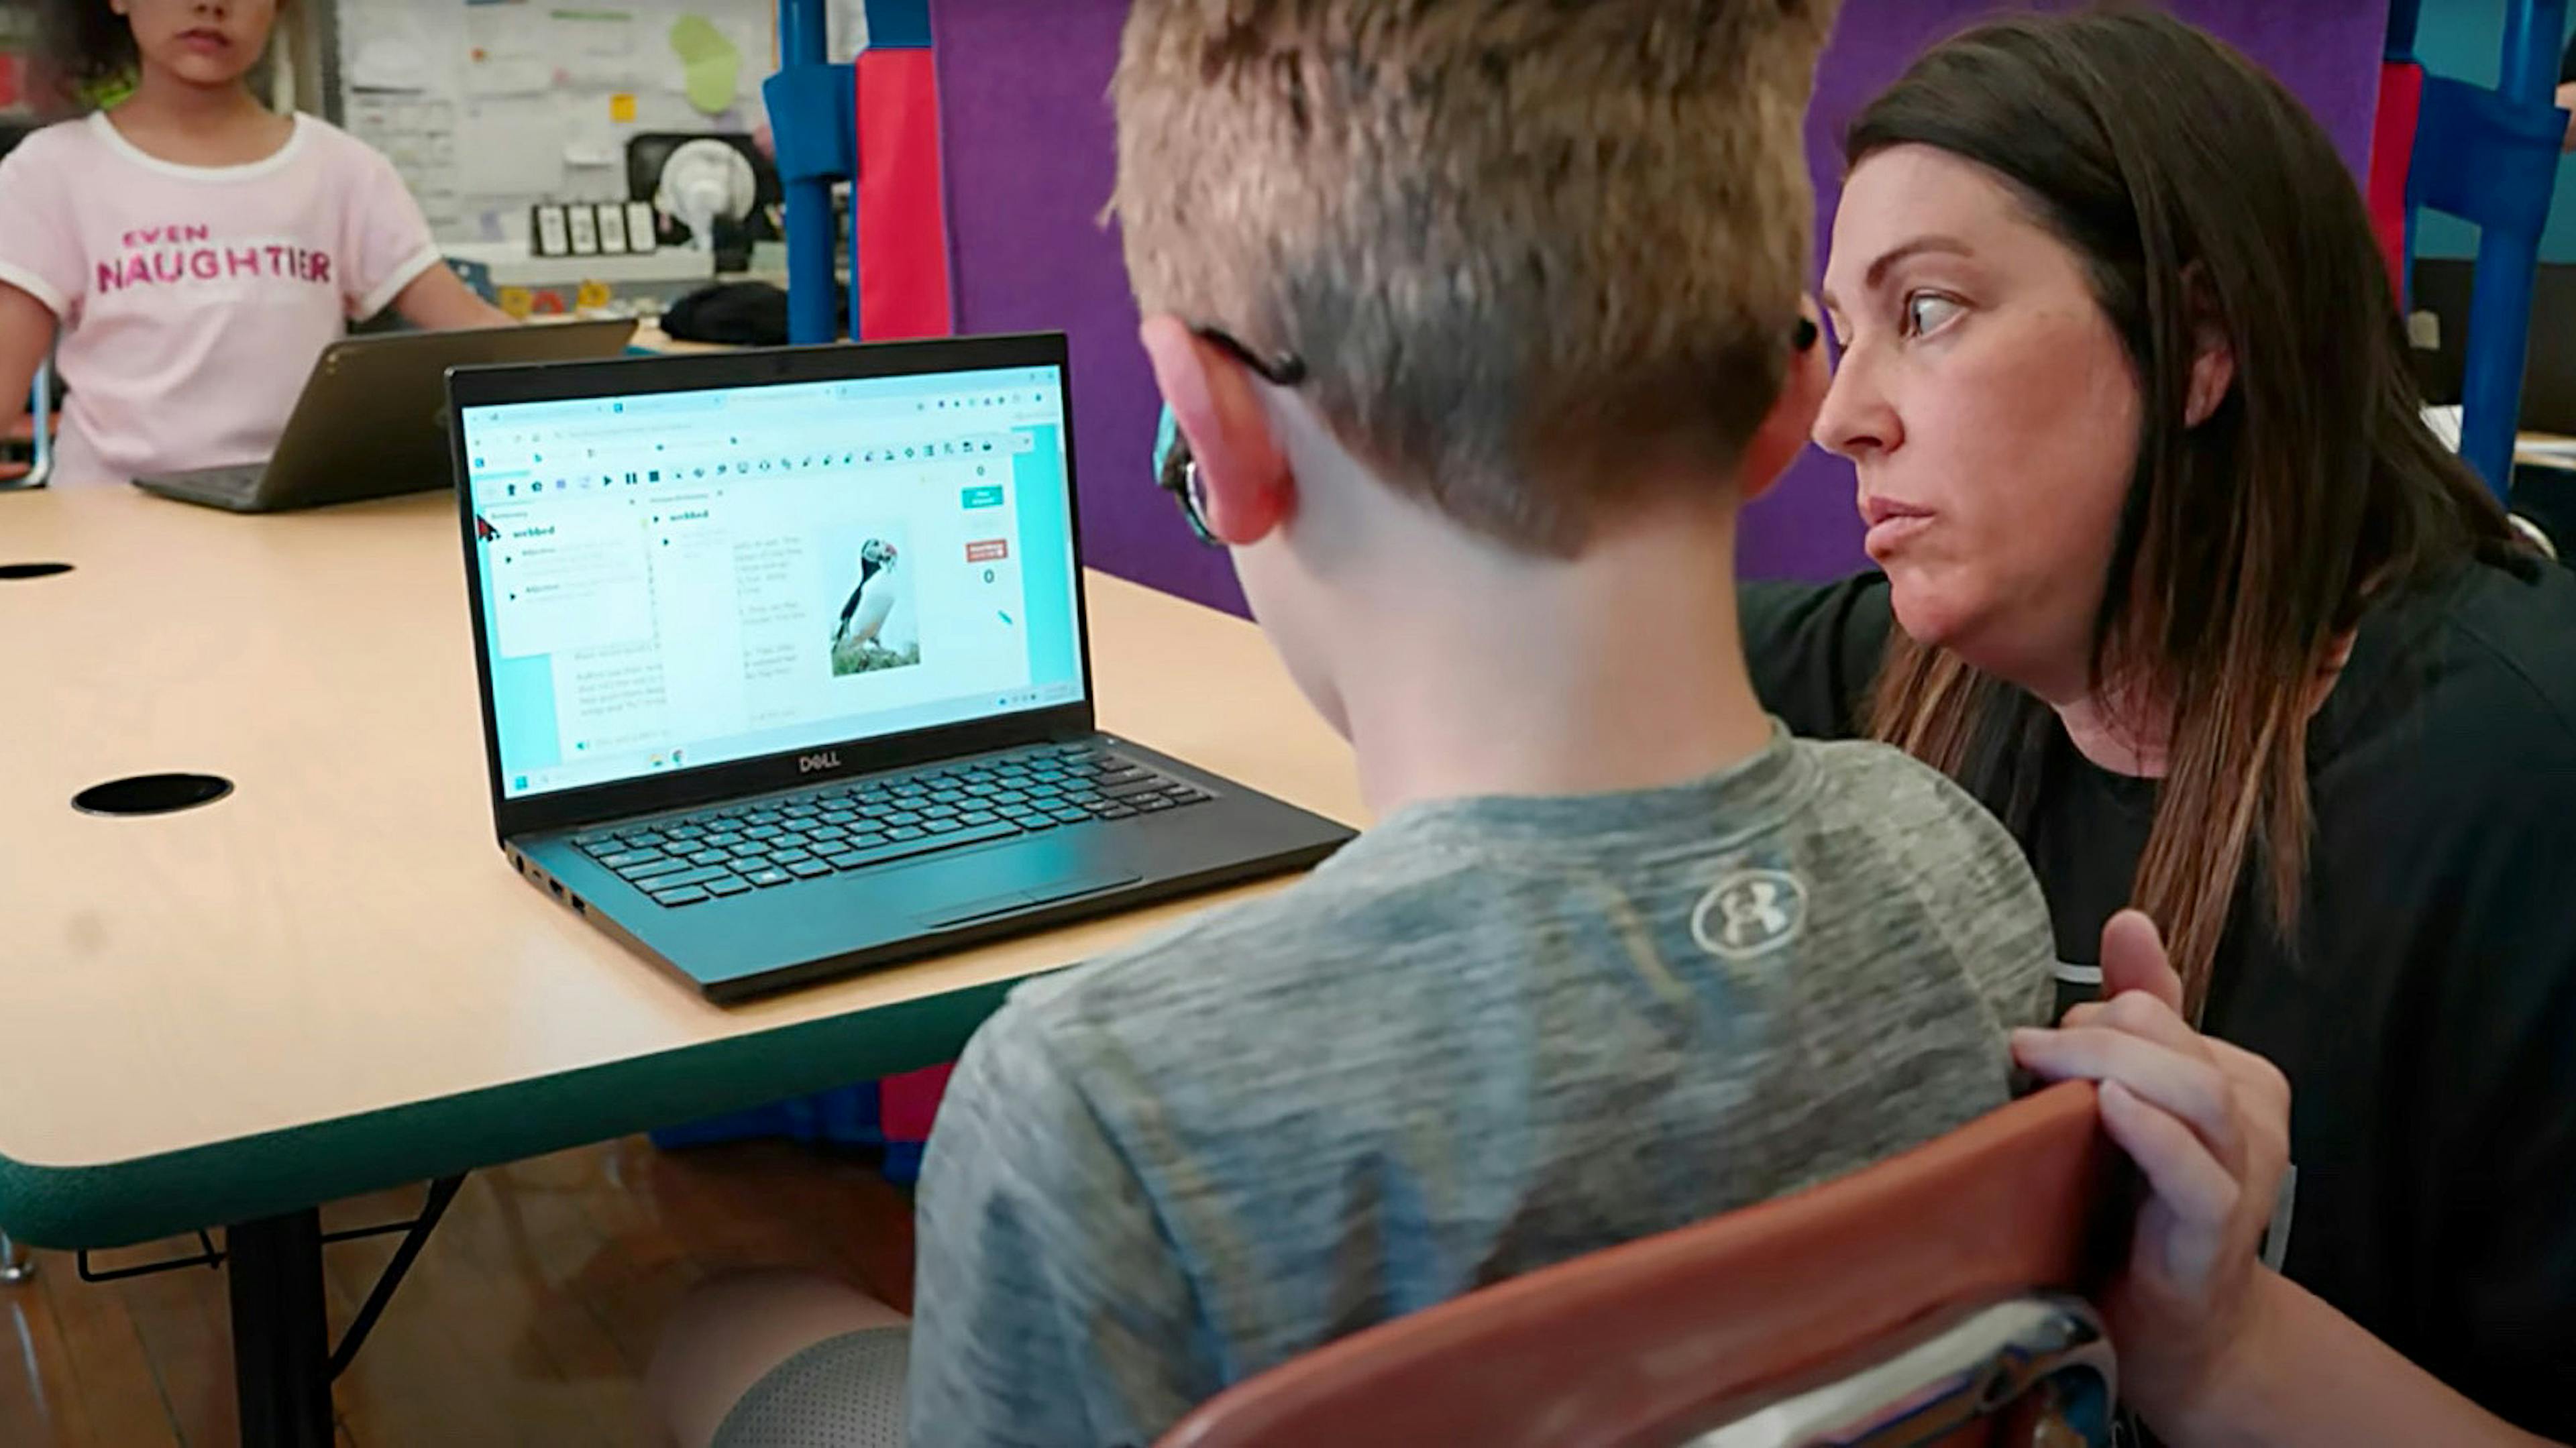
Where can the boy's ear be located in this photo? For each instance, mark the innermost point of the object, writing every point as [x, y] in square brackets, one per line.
[1246, 488]
[1785, 429]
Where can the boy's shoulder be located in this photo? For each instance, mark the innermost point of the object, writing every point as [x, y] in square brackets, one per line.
[1291, 942]
[1886, 782]
[1861, 819]
[1893, 824]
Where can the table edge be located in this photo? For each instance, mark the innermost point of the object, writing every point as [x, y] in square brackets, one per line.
[123, 1203]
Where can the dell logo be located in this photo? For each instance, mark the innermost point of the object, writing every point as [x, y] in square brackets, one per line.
[817, 763]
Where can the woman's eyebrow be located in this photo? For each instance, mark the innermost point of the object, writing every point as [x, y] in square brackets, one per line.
[1888, 259]
[1918, 246]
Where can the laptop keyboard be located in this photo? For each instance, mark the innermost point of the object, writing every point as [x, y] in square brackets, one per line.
[715, 853]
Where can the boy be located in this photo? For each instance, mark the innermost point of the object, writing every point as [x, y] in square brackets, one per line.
[1481, 322]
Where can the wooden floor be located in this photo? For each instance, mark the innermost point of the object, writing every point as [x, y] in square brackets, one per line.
[526, 1320]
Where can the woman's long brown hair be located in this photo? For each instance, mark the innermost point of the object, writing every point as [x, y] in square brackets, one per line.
[2199, 193]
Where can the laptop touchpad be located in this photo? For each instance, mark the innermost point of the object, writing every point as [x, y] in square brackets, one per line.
[942, 916]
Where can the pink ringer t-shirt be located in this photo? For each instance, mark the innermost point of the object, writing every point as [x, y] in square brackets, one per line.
[192, 301]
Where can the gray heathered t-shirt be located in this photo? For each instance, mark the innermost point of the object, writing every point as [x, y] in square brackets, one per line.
[1491, 1035]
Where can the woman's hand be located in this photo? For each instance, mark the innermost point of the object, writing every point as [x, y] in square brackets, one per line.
[2209, 1126]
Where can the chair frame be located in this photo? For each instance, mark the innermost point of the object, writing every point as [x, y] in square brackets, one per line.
[40, 411]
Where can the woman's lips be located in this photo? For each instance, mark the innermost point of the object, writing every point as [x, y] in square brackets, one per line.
[1891, 524]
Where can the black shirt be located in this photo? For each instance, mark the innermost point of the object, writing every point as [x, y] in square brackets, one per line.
[2426, 1012]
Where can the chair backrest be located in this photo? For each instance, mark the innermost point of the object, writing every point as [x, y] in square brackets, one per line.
[1730, 1332]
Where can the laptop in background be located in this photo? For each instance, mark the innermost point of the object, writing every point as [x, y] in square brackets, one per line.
[784, 663]
[371, 421]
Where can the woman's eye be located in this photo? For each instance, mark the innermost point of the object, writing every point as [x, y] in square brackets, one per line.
[1928, 312]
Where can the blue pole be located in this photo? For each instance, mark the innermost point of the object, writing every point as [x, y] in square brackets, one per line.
[2531, 47]
[2500, 304]
[803, 40]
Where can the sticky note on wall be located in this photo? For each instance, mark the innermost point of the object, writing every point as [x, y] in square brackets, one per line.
[710, 66]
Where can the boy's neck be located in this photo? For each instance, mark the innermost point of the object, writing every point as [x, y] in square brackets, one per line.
[1490, 675]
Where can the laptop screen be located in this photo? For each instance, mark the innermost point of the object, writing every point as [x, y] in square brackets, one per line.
[678, 579]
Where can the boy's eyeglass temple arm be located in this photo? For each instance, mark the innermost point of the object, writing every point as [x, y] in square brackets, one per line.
[1286, 369]
[1178, 474]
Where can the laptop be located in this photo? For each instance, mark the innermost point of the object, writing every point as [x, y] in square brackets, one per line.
[372, 419]
[784, 664]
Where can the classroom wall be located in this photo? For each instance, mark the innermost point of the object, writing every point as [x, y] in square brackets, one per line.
[487, 108]
[2464, 39]
[1029, 165]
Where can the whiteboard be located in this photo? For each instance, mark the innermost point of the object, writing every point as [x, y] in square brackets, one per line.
[487, 107]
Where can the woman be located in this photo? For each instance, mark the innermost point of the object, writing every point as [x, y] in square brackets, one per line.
[2176, 580]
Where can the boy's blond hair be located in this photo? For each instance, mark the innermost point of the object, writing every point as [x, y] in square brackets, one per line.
[1533, 252]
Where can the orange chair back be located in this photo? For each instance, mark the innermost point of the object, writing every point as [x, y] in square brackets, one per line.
[1659, 1340]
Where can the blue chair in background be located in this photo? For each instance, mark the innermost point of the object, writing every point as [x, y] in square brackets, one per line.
[2490, 157]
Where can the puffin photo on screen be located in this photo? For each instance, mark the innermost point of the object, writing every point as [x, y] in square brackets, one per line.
[873, 599]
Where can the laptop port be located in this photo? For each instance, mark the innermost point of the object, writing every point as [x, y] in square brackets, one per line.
[557, 887]
[580, 905]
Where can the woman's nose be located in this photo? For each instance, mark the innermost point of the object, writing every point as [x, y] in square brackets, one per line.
[1856, 420]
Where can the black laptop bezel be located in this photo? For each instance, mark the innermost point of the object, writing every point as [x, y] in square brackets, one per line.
[469, 387]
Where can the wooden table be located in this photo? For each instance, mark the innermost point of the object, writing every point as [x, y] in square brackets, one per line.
[329, 982]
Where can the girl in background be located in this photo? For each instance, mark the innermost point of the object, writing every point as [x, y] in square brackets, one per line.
[188, 253]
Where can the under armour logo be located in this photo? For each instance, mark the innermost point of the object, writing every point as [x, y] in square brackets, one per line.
[1750, 913]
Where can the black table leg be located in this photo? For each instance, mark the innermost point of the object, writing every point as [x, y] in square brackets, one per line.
[281, 1335]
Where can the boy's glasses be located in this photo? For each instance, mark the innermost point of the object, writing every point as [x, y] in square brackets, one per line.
[1283, 369]
[1178, 473]
[1175, 470]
